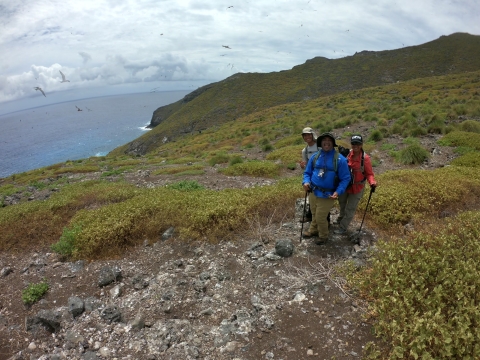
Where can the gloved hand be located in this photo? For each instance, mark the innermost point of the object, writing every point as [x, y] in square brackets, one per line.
[373, 187]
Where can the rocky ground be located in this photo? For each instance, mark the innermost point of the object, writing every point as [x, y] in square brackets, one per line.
[238, 299]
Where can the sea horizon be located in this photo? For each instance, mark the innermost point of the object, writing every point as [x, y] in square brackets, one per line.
[71, 130]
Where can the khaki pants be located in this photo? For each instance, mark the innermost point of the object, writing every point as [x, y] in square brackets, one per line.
[348, 206]
[320, 208]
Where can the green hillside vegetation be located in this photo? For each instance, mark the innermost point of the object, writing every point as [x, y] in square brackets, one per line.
[243, 94]
[421, 285]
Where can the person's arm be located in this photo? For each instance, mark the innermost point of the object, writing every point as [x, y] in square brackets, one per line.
[304, 161]
[307, 174]
[368, 171]
[343, 176]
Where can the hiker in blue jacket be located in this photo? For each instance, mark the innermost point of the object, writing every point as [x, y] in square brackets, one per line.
[325, 184]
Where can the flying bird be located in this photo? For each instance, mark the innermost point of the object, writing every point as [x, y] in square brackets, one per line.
[230, 7]
[78, 109]
[63, 77]
[226, 46]
[39, 88]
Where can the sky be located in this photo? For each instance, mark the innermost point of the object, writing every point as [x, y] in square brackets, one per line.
[110, 47]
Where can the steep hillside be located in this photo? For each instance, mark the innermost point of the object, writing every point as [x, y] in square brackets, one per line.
[242, 94]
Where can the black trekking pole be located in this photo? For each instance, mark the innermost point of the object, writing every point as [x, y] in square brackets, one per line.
[365, 213]
[303, 215]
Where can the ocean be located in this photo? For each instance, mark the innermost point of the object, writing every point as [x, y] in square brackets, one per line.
[43, 136]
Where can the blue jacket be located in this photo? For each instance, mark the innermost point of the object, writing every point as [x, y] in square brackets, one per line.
[325, 185]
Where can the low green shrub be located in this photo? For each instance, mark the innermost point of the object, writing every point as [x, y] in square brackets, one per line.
[413, 154]
[375, 135]
[201, 214]
[186, 185]
[286, 154]
[407, 195]
[470, 126]
[221, 158]
[424, 292]
[470, 159]
[33, 292]
[66, 245]
[236, 159]
[461, 138]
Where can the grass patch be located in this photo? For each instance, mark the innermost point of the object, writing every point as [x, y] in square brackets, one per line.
[253, 168]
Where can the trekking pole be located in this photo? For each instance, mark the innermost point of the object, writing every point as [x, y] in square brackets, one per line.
[366, 207]
[303, 215]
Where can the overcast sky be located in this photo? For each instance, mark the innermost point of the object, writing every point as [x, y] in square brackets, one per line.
[107, 47]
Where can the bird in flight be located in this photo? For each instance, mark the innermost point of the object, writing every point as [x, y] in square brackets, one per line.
[230, 7]
[78, 109]
[39, 88]
[226, 46]
[63, 77]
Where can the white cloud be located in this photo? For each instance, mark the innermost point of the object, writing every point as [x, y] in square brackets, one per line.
[112, 45]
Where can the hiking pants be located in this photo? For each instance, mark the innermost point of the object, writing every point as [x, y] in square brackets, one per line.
[348, 206]
[320, 209]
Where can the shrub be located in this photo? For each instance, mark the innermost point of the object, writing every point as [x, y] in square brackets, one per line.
[66, 245]
[286, 154]
[221, 158]
[34, 292]
[267, 147]
[187, 185]
[417, 131]
[470, 159]
[424, 292]
[470, 126]
[413, 154]
[461, 138]
[375, 136]
[235, 160]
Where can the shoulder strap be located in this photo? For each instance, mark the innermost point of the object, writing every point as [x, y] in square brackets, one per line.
[335, 159]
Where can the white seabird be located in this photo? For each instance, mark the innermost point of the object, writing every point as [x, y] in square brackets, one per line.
[39, 88]
[63, 77]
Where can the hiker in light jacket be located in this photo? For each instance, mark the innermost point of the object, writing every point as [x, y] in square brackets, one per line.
[350, 199]
[325, 183]
[310, 149]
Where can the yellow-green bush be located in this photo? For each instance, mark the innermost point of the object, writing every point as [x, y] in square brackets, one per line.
[470, 126]
[461, 138]
[287, 154]
[470, 159]
[406, 195]
[424, 292]
[253, 168]
[198, 214]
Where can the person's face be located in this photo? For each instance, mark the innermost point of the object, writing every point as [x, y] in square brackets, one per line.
[308, 138]
[327, 144]
[356, 147]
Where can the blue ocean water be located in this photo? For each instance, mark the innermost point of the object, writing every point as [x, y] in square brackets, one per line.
[42, 136]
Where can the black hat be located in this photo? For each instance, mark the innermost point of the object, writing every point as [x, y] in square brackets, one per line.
[326, 134]
[356, 139]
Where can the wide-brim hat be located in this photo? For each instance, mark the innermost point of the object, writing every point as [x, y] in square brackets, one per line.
[324, 135]
[309, 130]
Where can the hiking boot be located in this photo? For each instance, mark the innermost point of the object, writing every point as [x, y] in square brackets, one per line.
[340, 231]
[309, 234]
[321, 241]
